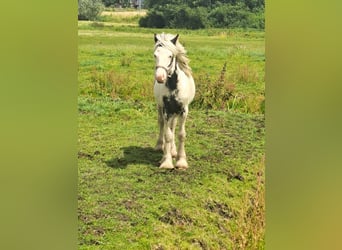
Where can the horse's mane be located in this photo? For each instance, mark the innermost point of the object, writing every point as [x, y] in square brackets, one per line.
[177, 49]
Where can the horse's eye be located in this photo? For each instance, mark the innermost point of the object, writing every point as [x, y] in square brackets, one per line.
[170, 57]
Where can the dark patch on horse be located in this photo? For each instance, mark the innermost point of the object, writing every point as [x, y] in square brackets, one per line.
[172, 106]
[171, 81]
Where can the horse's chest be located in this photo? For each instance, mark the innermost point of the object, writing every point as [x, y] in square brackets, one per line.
[171, 96]
[171, 101]
[172, 104]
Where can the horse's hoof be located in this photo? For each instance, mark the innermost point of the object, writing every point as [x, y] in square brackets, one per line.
[182, 164]
[166, 165]
[162, 160]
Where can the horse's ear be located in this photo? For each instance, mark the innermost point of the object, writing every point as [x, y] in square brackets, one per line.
[155, 37]
[174, 40]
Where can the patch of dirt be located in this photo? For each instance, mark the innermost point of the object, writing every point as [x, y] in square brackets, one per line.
[94, 242]
[123, 217]
[200, 243]
[131, 205]
[221, 209]
[88, 220]
[84, 155]
[181, 194]
[158, 247]
[88, 156]
[175, 217]
[234, 175]
[97, 231]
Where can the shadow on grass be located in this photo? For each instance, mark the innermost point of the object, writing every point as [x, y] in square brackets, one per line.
[136, 155]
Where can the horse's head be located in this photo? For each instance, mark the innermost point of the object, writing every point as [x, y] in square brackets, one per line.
[165, 56]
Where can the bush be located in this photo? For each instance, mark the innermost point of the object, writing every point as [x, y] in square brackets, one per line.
[154, 19]
[89, 9]
[185, 17]
[109, 3]
[236, 16]
[175, 16]
[221, 16]
[230, 16]
[258, 20]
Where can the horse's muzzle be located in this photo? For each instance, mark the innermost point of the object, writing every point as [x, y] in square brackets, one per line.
[160, 80]
[161, 74]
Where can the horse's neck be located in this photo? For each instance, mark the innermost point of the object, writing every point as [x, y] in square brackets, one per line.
[181, 71]
[183, 68]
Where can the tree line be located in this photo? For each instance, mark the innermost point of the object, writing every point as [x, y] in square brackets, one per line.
[197, 14]
[194, 14]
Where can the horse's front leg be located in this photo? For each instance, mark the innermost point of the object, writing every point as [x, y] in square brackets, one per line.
[173, 143]
[181, 157]
[168, 142]
[160, 142]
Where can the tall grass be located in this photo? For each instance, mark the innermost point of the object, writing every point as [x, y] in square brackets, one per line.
[211, 93]
[117, 86]
[220, 92]
[214, 94]
[251, 216]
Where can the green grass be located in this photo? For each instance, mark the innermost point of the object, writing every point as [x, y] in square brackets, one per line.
[125, 201]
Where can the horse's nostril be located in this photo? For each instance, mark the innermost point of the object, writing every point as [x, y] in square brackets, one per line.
[160, 78]
[160, 81]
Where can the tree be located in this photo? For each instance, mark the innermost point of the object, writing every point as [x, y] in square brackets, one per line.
[197, 14]
[108, 3]
[89, 9]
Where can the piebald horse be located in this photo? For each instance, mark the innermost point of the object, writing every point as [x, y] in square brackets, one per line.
[174, 89]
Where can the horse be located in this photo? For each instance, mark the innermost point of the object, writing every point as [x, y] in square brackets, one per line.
[174, 90]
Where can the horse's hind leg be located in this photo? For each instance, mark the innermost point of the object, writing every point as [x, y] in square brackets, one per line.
[181, 157]
[160, 142]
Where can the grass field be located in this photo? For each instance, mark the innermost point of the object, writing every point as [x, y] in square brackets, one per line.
[125, 201]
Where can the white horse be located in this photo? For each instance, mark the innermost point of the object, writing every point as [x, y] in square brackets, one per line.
[174, 89]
